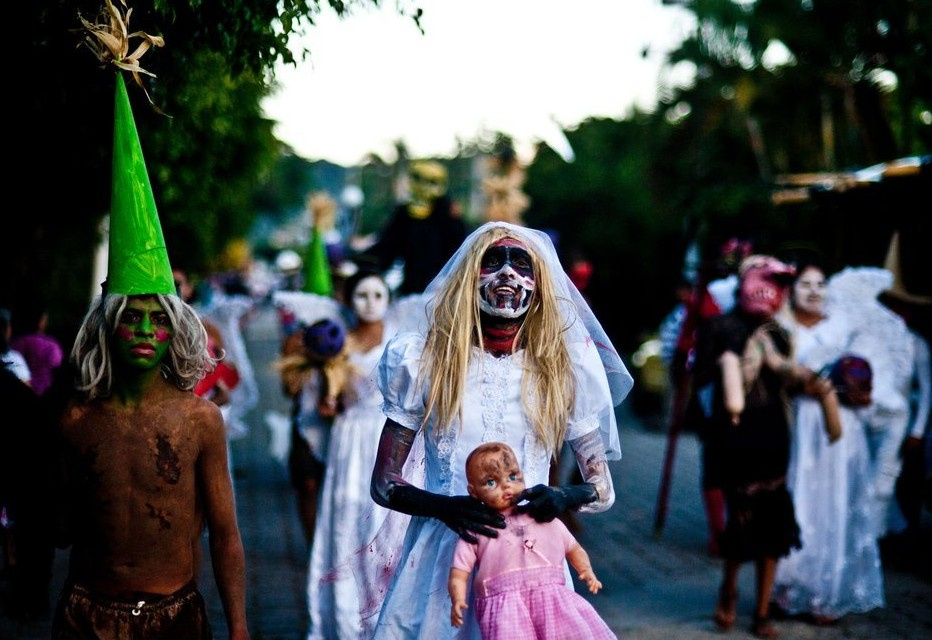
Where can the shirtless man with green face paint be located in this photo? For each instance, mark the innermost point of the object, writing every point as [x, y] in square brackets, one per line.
[144, 459]
[145, 464]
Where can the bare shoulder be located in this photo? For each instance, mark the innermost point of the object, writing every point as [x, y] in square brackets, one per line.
[201, 411]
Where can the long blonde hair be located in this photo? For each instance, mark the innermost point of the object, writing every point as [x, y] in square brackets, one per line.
[547, 384]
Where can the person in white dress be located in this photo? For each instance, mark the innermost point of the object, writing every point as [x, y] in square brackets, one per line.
[837, 571]
[347, 517]
[511, 353]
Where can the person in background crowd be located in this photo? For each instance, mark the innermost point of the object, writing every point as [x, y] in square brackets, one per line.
[10, 358]
[905, 511]
[713, 294]
[42, 352]
[348, 518]
[837, 571]
[422, 232]
[308, 354]
[26, 545]
[741, 388]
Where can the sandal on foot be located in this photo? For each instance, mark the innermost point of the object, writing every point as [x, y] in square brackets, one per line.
[725, 610]
[762, 627]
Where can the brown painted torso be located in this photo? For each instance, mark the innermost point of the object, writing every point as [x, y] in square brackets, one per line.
[134, 496]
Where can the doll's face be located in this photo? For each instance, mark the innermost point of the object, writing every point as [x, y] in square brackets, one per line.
[809, 291]
[494, 478]
[506, 279]
[370, 299]
[143, 333]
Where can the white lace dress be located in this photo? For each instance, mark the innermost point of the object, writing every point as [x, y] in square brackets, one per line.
[837, 570]
[348, 518]
[417, 604]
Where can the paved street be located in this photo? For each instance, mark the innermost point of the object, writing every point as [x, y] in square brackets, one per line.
[655, 588]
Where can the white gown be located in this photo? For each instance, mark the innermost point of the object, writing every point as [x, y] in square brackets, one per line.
[348, 518]
[837, 570]
[417, 604]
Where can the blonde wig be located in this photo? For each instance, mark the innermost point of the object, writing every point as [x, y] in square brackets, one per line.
[186, 362]
[547, 383]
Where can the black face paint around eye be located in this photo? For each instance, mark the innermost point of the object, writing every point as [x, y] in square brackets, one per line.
[496, 258]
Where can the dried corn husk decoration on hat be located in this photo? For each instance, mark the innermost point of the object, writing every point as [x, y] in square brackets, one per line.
[109, 40]
[137, 261]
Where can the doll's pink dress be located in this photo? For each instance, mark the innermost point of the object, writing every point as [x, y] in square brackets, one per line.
[520, 588]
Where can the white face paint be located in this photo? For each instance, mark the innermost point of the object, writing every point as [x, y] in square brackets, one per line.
[370, 299]
[506, 279]
[809, 291]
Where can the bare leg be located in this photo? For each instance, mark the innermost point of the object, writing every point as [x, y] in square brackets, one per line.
[766, 572]
[307, 507]
[726, 608]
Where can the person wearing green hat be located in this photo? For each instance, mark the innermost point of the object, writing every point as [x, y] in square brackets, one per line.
[144, 459]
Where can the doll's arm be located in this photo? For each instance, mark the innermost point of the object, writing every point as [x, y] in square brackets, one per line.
[579, 560]
[456, 587]
[732, 385]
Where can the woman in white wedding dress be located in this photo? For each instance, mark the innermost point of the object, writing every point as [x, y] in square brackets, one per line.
[513, 354]
[837, 571]
[347, 517]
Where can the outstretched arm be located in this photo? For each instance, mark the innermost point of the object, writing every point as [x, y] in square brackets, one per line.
[463, 514]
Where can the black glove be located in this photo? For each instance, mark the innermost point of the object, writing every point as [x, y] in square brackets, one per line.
[463, 514]
[546, 503]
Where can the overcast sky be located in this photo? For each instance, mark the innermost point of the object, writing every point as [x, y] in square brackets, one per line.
[516, 66]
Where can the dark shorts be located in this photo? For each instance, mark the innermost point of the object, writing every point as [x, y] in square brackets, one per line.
[82, 614]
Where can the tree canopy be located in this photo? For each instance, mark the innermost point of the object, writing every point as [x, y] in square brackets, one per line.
[204, 156]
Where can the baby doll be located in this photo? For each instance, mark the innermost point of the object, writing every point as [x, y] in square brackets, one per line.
[519, 585]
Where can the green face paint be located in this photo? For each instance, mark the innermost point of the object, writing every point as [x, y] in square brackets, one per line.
[143, 333]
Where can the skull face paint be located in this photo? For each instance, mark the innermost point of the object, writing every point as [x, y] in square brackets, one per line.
[506, 279]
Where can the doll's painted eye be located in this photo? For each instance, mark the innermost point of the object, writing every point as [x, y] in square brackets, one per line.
[490, 483]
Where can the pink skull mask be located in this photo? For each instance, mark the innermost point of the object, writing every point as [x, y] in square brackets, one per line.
[764, 281]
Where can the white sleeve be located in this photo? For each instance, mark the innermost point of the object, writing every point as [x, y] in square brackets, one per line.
[403, 401]
[922, 397]
[593, 408]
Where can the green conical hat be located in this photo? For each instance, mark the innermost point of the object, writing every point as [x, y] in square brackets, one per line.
[317, 278]
[138, 259]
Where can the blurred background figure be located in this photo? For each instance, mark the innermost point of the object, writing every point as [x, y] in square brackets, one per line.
[42, 352]
[882, 338]
[713, 294]
[348, 519]
[313, 336]
[10, 358]
[837, 571]
[505, 200]
[904, 517]
[422, 233]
